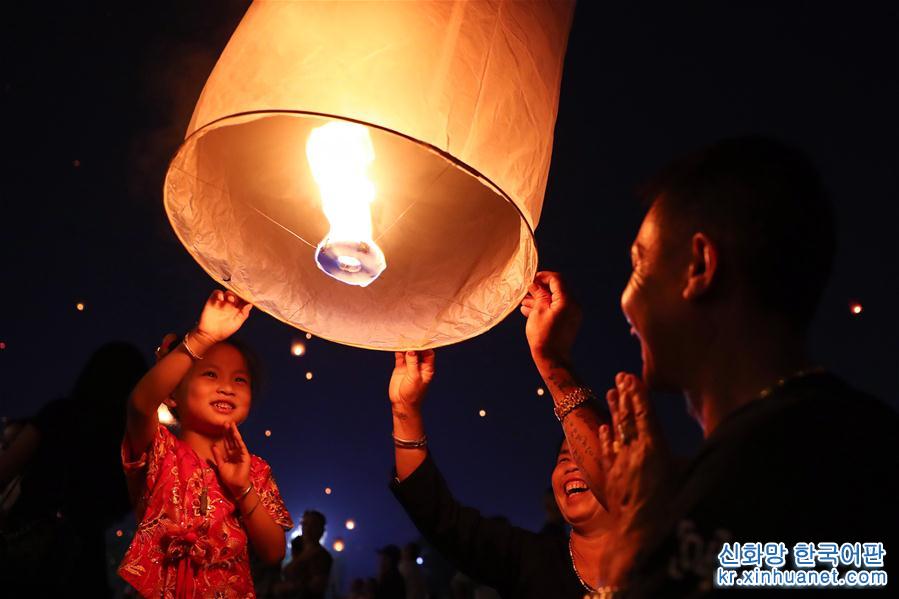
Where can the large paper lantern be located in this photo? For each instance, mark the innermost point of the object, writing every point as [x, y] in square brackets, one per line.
[423, 130]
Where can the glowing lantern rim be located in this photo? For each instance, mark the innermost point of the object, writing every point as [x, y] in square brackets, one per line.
[466, 168]
[444, 154]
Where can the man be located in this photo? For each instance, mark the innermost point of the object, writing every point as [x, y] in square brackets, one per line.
[306, 575]
[390, 582]
[413, 573]
[728, 267]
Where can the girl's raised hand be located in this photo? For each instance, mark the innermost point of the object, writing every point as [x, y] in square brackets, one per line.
[412, 373]
[232, 460]
[223, 315]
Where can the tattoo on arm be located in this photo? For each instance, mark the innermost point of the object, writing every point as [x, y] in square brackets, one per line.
[561, 376]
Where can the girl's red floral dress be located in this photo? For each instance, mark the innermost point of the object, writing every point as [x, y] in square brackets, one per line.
[189, 541]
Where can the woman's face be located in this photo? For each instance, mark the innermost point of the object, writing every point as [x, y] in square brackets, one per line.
[215, 391]
[577, 503]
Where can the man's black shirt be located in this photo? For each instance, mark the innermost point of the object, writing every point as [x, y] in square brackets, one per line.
[815, 461]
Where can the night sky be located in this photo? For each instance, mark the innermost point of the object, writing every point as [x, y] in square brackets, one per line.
[96, 100]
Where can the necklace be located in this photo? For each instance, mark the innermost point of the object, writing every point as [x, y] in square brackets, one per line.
[586, 586]
[789, 378]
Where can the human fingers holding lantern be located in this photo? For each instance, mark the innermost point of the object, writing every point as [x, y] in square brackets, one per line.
[223, 314]
[553, 319]
[413, 372]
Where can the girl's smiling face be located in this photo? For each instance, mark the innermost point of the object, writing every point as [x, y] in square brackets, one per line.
[215, 391]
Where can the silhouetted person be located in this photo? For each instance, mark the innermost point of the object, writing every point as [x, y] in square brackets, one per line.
[390, 581]
[71, 486]
[413, 573]
[306, 575]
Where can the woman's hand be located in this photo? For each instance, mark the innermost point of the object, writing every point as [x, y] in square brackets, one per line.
[232, 460]
[553, 320]
[222, 316]
[412, 373]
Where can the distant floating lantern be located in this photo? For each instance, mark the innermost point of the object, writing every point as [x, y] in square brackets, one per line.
[372, 172]
[308, 335]
[2, 345]
[482, 413]
[338, 545]
[350, 524]
[298, 348]
[268, 433]
[327, 490]
[308, 376]
[119, 533]
[855, 308]
[540, 391]
[79, 306]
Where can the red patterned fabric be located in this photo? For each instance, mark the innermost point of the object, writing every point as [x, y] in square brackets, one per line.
[177, 551]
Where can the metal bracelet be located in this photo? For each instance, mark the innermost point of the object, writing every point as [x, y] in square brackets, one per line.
[187, 348]
[573, 400]
[407, 444]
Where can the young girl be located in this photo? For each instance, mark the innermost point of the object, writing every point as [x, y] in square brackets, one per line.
[200, 496]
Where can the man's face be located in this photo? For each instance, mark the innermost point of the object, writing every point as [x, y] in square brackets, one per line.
[653, 303]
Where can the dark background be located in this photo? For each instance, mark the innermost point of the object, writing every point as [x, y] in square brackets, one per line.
[96, 97]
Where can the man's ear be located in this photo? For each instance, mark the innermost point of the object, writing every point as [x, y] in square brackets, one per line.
[702, 268]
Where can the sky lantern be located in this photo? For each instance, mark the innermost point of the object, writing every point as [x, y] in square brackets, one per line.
[372, 172]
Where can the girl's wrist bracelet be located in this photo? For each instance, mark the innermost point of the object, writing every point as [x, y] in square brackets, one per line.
[245, 492]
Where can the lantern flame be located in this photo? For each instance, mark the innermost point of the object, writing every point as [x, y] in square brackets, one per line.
[339, 155]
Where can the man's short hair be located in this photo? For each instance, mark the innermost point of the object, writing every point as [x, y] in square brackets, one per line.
[317, 517]
[763, 203]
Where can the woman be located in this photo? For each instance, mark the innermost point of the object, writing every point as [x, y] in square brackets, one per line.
[517, 562]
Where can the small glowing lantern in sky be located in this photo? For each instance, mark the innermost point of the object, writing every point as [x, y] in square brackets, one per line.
[372, 172]
[338, 545]
[350, 524]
